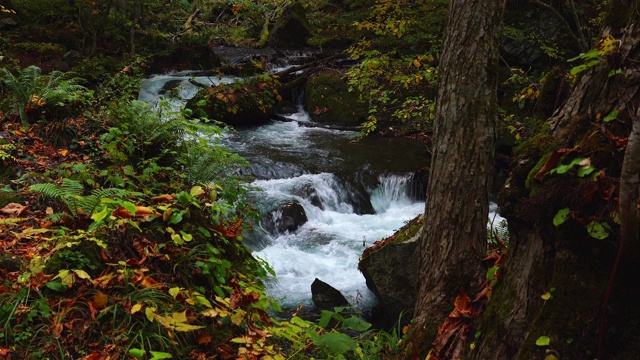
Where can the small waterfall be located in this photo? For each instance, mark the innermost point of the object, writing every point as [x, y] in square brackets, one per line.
[393, 189]
[329, 244]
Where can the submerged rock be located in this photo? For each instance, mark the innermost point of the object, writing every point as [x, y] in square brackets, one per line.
[287, 217]
[325, 296]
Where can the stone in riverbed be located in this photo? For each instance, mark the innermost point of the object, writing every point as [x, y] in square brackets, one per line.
[325, 296]
[287, 217]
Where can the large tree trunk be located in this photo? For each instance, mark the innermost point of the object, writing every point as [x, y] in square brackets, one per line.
[542, 257]
[454, 241]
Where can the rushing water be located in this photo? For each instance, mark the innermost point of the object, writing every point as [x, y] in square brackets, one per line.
[353, 193]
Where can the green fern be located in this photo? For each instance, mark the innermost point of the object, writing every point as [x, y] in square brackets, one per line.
[30, 85]
[70, 193]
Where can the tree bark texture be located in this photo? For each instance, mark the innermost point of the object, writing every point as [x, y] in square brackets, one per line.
[578, 267]
[454, 241]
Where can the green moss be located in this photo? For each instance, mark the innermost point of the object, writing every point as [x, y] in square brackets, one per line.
[7, 197]
[529, 183]
[328, 99]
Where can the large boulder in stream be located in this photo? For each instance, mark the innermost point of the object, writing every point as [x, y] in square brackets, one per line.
[325, 296]
[328, 100]
[390, 268]
[287, 217]
[242, 103]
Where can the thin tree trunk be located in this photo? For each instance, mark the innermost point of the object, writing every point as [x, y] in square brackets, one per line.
[454, 241]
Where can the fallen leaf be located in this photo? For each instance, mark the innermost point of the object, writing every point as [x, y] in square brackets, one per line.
[163, 198]
[203, 339]
[13, 209]
[100, 300]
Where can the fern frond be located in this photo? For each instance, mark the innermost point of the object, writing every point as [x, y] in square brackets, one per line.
[88, 204]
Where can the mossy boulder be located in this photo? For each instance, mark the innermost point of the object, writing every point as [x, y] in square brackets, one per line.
[391, 271]
[328, 100]
[246, 103]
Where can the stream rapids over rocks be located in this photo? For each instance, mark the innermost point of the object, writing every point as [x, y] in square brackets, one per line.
[353, 193]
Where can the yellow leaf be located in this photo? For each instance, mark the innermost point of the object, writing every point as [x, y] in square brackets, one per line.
[82, 274]
[518, 137]
[607, 45]
[416, 63]
[186, 327]
[546, 296]
[65, 277]
[135, 308]
[210, 313]
[150, 313]
[196, 190]
[174, 291]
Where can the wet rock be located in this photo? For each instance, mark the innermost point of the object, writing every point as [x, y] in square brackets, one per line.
[286, 218]
[391, 273]
[417, 189]
[328, 100]
[325, 296]
[249, 103]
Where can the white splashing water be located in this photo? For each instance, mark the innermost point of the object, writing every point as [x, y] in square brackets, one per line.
[329, 245]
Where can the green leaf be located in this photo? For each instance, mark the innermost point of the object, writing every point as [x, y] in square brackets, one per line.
[578, 69]
[615, 72]
[99, 216]
[325, 318]
[157, 355]
[336, 343]
[597, 230]
[129, 206]
[612, 116]
[56, 285]
[174, 291]
[137, 353]
[582, 172]
[82, 274]
[196, 190]
[355, 323]
[543, 341]
[491, 272]
[561, 216]
[300, 322]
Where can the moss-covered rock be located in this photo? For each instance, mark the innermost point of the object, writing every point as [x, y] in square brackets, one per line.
[246, 103]
[328, 100]
[391, 271]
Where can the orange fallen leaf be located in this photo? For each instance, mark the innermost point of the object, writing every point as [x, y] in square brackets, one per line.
[163, 198]
[63, 152]
[203, 339]
[13, 209]
[100, 300]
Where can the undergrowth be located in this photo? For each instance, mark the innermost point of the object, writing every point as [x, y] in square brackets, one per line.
[128, 245]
